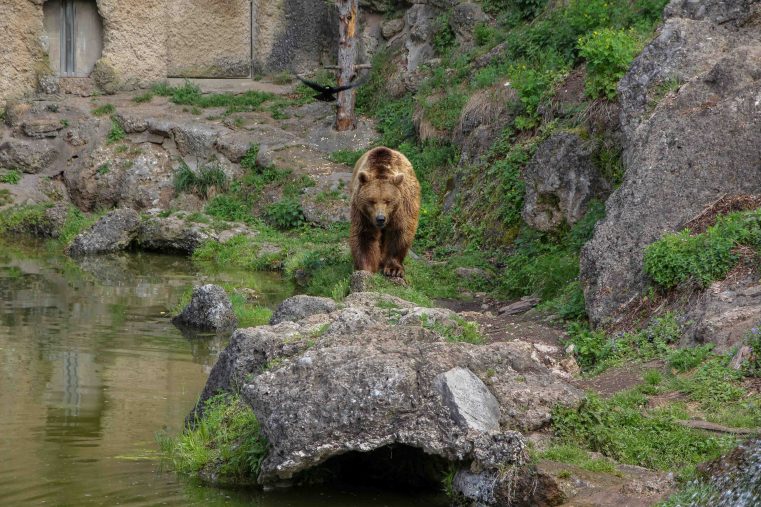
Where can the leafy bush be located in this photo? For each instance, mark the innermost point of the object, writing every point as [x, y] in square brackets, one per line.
[443, 37]
[608, 54]
[285, 214]
[248, 162]
[687, 359]
[702, 258]
[533, 86]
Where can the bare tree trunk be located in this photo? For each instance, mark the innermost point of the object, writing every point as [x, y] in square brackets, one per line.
[348, 14]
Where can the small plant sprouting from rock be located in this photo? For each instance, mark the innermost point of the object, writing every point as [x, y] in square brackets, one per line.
[143, 97]
[209, 177]
[103, 169]
[116, 134]
[11, 177]
[104, 110]
[225, 442]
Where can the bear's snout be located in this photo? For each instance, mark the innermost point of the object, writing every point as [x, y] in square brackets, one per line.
[380, 221]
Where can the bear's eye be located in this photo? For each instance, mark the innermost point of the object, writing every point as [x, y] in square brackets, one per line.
[386, 202]
[373, 203]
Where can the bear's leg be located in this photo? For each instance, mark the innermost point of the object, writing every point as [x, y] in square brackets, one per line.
[366, 251]
[395, 247]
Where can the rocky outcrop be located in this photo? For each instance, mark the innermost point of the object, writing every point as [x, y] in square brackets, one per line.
[125, 228]
[684, 146]
[300, 307]
[735, 478]
[209, 309]
[112, 233]
[560, 181]
[481, 121]
[29, 156]
[139, 177]
[372, 374]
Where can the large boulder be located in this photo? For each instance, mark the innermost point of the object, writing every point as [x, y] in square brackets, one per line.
[114, 232]
[684, 147]
[209, 309]
[560, 181]
[363, 378]
[29, 156]
[134, 176]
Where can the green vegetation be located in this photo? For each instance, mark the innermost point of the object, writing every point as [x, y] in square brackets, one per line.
[11, 177]
[284, 214]
[103, 169]
[225, 443]
[459, 330]
[190, 94]
[208, 177]
[348, 157]
[623, 428]
[608, 54]
[143, 97]
[575, 455]
[104, 110]
[702, 258]
[116, 133]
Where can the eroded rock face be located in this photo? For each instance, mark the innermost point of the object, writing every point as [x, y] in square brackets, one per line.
[560, 181]
[369, 375]
[683, 150]
[140, 177]
[29, 156]
[209, 309]
[300, 307]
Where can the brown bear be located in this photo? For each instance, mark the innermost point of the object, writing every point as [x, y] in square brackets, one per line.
[385, 201]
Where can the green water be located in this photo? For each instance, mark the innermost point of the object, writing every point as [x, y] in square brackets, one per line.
[91, 368]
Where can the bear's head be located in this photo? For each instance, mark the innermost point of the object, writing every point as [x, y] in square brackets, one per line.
[379, 198]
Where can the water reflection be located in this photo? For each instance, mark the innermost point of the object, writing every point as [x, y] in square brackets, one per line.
[91, 368]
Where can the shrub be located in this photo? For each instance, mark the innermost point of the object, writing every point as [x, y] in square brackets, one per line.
[143, 97]
[752, 367]
[608, 54]
[285, 214]
[687, 359]
[702, 258]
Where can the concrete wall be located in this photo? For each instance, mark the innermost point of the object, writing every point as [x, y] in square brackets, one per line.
[147, 40]
[209, 38]
[21, 52]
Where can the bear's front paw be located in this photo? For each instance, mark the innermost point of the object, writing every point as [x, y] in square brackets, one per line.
[393, 269]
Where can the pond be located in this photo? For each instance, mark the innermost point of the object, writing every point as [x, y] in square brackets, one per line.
[91, 368]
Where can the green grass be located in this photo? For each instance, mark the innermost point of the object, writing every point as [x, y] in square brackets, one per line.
[190, 94]
[225, 442]
[104, 110]
[11, 177]
[208, 177]
[143, 97]
[575, 455]
[348, 157]
[460, 331]
[623, 429]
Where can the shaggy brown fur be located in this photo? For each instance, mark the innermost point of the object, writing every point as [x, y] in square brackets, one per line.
[385, 201]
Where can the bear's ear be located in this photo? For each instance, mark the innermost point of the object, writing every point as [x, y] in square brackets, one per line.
[397, 179]
[363, 177]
